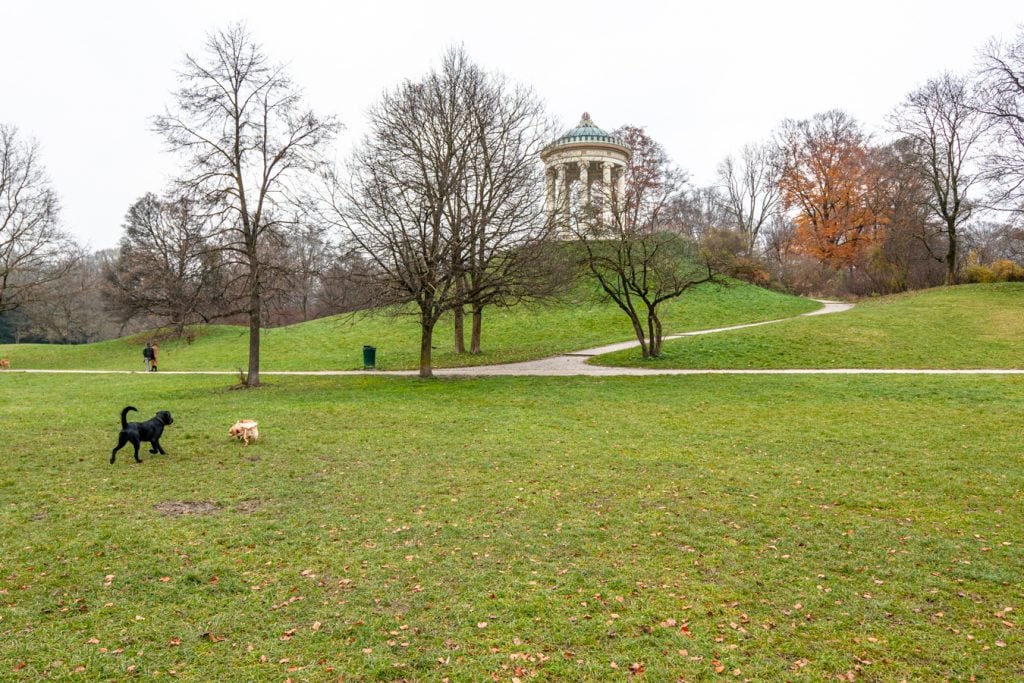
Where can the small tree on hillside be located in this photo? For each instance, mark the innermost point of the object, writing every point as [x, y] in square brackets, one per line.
[637, 263]
[640, 271]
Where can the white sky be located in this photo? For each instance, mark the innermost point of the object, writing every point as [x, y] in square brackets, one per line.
[84, 78]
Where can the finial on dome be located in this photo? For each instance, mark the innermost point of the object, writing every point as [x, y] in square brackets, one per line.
[586, 120]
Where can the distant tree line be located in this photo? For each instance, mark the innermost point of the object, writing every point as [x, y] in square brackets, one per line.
[440, 209]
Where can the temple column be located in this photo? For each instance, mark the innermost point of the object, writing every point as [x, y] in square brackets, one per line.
[584, 182]
[606, 214]
[562, 189]
[622, 187]
[549, 197]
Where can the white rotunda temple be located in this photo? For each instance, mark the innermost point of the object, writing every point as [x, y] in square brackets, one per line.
[585, 155]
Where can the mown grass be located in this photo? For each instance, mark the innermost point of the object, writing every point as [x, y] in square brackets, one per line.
[767, 528]
[518, 333]
[970, 326]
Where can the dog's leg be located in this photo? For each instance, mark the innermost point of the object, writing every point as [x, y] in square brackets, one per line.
[135, 442]
[121, 441]
[157, 448]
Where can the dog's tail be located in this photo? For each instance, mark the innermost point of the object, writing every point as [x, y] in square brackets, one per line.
[124, 422]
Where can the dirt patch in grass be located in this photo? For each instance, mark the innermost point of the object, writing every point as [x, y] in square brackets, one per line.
[177, 508]
[247, 507]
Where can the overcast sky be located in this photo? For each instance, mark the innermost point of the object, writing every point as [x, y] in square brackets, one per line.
[85, 78]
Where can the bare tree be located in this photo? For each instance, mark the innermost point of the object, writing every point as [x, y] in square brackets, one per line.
[1001, 102]
[309, 254]
[295, 258]
[1001, 240]
[750, 189]
[395, 204]
[942, 122]
[500, 208]
[33, 249]
[240, 122]
[639, 270]
[347, 284]
[72, 310]
[653, 183]
[905, 258]
[166, 267]
[636, 261]
[444, 195]
[695, 212]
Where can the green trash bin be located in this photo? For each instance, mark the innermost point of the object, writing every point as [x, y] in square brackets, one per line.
[369, 357]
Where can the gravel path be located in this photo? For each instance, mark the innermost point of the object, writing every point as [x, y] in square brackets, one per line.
[575, 364]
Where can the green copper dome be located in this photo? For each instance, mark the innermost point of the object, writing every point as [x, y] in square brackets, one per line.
[587, 131]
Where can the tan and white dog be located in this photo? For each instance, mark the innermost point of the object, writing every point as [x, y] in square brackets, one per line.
[246, 430]
[5, 364]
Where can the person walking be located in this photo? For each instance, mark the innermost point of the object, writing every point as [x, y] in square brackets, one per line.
[148, 355]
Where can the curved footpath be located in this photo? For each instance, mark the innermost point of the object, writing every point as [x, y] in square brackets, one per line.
[575, 364]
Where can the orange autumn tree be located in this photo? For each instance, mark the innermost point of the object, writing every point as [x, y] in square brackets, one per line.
[829, 180]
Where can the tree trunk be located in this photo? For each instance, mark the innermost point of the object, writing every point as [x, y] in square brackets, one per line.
[426, 338]
[654, 332]
[460, 329]
[638, 330]
[478, 316]
[951, 257]
[253, 378]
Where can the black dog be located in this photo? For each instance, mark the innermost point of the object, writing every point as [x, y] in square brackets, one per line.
[137, 432]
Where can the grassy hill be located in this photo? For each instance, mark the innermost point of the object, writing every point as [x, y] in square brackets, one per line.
[520, 333]
[970, 326]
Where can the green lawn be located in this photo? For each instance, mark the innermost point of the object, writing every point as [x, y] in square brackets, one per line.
[519, 333]
[970, 326]
[391, 529]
